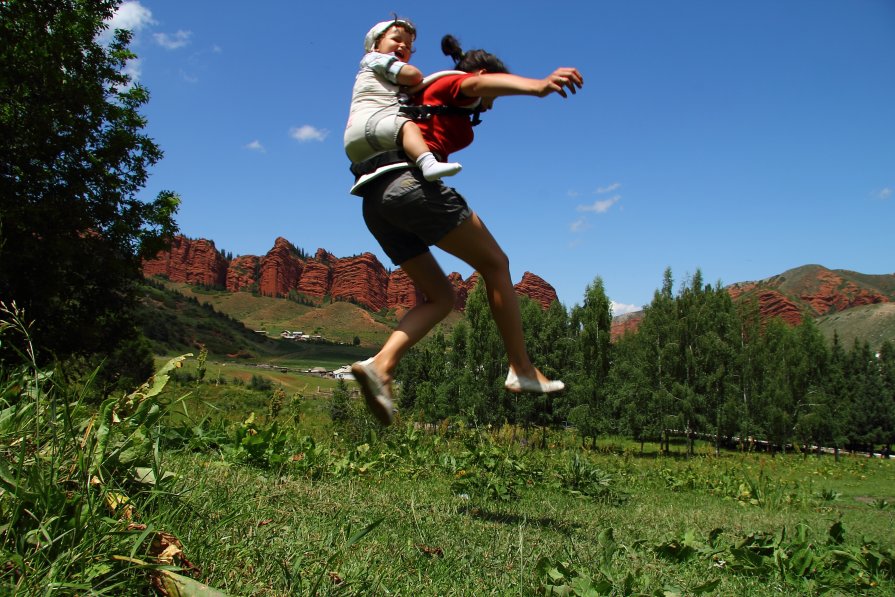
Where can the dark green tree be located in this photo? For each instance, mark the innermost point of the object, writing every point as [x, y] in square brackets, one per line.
[591, 331]
[482, 397]
[661, 354]
[531, 410]
[777, 401]
[73, 157]
[746, 409]
[833, 417]
[887, 372]
[631, 388]
[868, 401]
[709, 341]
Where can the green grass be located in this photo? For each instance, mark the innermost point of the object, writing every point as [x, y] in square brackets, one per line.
[258, 500]
[275, 532]
[291, 528]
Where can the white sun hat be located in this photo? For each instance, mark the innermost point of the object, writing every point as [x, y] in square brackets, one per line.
[378, 29]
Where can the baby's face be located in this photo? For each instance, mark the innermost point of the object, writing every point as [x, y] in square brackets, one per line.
[396, 41]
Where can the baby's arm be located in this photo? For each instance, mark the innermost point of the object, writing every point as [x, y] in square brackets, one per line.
[409, 75]
[391, 69]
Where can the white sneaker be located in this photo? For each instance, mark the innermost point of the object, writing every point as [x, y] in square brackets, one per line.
[377, 394]
[517, 384]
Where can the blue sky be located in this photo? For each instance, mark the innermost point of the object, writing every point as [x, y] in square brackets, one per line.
[741, 138]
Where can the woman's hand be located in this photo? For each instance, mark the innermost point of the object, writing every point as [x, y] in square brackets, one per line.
[559, 80]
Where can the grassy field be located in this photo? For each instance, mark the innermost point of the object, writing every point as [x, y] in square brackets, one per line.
[352, 509]
[206, 488]
[479, 514]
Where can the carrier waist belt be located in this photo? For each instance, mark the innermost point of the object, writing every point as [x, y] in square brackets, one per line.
[378, 161]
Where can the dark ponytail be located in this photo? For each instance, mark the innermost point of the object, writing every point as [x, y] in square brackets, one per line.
[473, 60]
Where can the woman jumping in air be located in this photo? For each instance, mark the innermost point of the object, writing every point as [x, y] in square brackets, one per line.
[407, 214]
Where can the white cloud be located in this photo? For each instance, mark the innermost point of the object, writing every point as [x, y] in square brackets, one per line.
[884, 193]
[131, 15]
[188, 77]
[601, 206]
[579, 225]
[621, 308]
[306, 132]
[173, 41]
[573, 193]
[255, 146]
[613, 187]
[133, 69]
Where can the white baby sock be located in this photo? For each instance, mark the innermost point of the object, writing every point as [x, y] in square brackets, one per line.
[433, 169]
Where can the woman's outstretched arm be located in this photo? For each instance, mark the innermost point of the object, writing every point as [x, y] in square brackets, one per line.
[502, 84]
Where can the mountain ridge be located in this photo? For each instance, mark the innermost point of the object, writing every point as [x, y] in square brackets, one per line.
[819, 293]
[285, 270]
[850, 304]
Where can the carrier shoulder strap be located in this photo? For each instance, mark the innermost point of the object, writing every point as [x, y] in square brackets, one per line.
[424, 112]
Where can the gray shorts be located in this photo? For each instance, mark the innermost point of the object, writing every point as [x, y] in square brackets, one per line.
[407, 214]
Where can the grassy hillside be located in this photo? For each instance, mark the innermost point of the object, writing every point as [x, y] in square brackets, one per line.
[874, 323]
[178, 323]
[337, 321]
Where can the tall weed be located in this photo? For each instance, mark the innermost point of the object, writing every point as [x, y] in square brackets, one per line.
[75, 480]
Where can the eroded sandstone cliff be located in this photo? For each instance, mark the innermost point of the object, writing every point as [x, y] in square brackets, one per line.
[361, 279]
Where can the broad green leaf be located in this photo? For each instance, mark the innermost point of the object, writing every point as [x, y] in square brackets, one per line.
[706, 587]
[181, 586]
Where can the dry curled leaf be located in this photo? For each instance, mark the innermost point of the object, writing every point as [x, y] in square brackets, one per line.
[335, 578]
[119, 503]
[431, 551]
[167, 549]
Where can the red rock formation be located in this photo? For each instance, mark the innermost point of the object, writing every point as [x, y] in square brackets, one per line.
[471, 282]
[623, 324]
[280, 269]
[537, 289]
[464, 288]
[190, 262]
[737, 290]
[773, 304]
[324, 256]
[362, 280]
[402, 292]
[242, 273]
[460, 290]
[835, 294]
[316, 279]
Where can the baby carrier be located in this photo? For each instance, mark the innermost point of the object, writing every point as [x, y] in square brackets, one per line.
[416, 112]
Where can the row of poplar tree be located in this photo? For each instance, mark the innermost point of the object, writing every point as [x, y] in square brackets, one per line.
[698, 366]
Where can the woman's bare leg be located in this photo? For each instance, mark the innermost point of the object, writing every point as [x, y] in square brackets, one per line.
[416, 323]
[473, 243]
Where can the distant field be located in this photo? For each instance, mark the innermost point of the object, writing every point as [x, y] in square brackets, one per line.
[304, 357]
[337, 321]
[873, 323]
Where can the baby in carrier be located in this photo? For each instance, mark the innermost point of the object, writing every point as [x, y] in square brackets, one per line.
[374, 123]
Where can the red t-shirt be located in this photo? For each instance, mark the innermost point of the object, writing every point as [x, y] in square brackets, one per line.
[446, 133]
